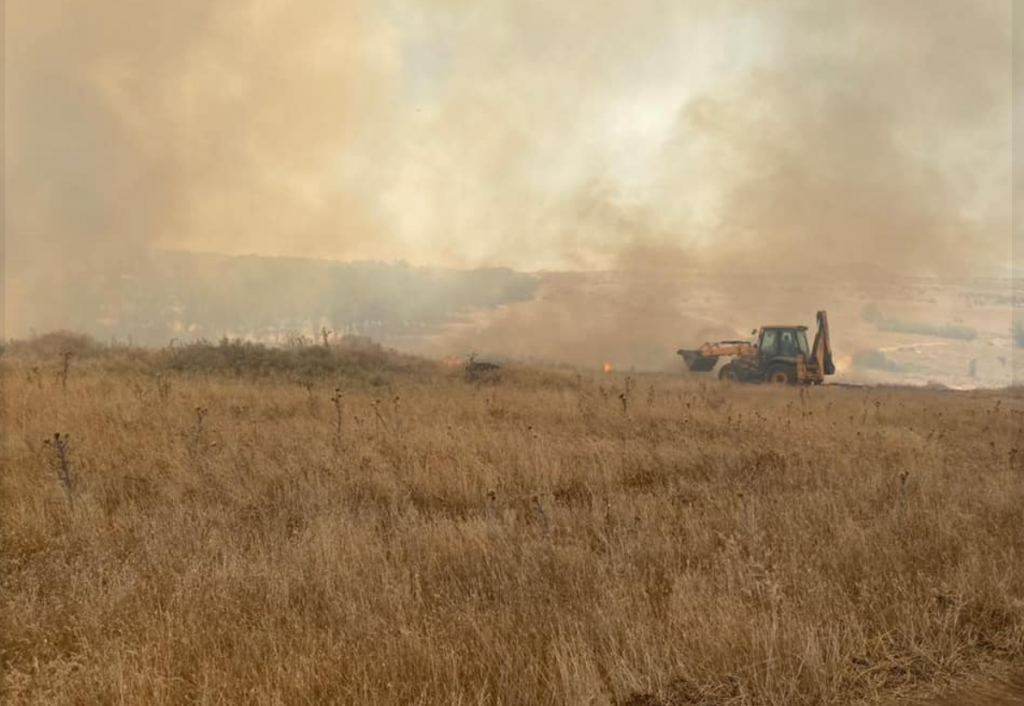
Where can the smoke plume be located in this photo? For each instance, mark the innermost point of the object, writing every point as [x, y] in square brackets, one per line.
[736, 136]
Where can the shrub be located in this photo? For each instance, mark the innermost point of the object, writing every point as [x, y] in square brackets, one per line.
[54, 344]
[360, 359]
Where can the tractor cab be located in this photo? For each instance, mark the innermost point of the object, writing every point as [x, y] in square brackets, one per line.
[781, 352]
[782, 342]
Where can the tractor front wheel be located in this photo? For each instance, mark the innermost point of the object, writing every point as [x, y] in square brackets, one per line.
[728, 373]
[781, 375]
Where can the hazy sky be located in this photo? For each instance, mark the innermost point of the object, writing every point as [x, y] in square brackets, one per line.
[532, 134]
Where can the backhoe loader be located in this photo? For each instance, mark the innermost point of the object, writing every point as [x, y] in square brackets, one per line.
[778, 354]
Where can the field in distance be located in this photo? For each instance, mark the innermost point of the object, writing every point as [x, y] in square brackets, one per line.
[354, 526]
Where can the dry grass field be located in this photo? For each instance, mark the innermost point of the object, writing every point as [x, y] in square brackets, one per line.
[545, 539]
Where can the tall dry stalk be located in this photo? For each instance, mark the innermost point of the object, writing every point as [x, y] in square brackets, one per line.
[65, 369]
[338, 401]
[61, 463]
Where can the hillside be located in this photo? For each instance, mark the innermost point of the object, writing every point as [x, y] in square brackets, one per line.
[181, 295]
[540, 539]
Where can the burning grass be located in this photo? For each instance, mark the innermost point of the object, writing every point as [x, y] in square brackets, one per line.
[545, 540]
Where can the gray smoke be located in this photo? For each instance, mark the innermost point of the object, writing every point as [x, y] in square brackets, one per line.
[738, 135]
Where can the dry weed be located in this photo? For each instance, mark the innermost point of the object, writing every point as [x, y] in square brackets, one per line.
[516, 544]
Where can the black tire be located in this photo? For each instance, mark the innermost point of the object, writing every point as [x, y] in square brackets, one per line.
[781, 374]
[728, 373]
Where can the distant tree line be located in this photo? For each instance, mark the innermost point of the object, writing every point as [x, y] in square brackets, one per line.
[190, 296]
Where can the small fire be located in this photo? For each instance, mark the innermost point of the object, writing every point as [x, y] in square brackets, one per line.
[451, 360]
[607, 367]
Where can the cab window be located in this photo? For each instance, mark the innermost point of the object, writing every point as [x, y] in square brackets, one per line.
[787, 343]
[769, 343]
[801, 339]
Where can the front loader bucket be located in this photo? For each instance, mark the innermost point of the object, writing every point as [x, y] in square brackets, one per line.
[698, 363]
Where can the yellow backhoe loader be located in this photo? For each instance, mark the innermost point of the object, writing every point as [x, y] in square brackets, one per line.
[778, 354]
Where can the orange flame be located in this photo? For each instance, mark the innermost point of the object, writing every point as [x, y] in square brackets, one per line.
[451, 360]
[607, 367]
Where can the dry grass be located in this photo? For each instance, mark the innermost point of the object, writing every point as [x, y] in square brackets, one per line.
[527, 542]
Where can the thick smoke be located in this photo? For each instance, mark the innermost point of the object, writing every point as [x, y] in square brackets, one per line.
[876, 136]
[664, 137]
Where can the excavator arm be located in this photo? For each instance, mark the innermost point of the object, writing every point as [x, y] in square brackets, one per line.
[821, 352]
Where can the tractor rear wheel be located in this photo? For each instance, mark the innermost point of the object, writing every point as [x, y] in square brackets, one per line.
[728, 373]
[781, 375]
